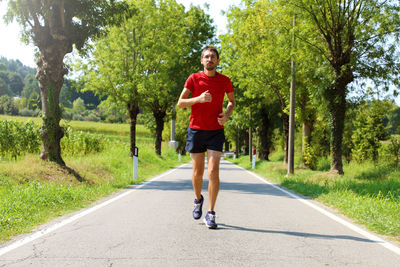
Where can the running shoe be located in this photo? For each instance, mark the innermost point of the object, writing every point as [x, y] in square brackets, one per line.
[198, 206]
[209, 220]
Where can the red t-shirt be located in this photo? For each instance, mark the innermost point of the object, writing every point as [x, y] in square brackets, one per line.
[204, 116]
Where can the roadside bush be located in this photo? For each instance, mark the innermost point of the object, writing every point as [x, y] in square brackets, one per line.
[17, 138]
[390, 150]
[82, 143]
[310, 159]
[370, 129]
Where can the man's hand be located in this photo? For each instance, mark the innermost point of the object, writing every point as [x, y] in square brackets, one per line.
[222, 118]
[205, 97]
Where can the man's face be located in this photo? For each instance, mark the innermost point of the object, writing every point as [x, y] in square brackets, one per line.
[209, 60]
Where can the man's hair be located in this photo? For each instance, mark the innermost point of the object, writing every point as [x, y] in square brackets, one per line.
[210, 48]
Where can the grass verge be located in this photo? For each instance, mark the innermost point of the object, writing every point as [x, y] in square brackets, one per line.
[33, 191]
[367, 193]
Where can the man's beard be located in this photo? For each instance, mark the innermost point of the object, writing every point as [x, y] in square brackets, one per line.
[210, 68]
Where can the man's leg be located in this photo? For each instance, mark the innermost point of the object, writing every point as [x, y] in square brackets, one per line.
[214, 158]
[198, 171]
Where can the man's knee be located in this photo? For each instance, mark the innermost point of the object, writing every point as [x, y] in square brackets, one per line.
[213, 173]
[198, 174]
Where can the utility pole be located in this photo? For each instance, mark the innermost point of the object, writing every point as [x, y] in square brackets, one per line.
[292, 102]
[250, 141]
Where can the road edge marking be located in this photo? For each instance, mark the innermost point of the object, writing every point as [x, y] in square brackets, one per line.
[40, 233]
[332, 216]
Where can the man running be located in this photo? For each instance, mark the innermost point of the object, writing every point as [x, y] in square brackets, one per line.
[206, 128]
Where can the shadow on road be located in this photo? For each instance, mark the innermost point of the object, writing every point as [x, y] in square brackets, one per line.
[243, 188]
[222, 226]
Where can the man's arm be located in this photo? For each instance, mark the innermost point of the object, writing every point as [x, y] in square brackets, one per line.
[185, 102]
[223, 117]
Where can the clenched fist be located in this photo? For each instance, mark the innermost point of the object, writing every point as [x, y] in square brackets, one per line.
[205, 97]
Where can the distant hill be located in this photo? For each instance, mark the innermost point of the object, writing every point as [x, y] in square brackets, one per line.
[12, 65]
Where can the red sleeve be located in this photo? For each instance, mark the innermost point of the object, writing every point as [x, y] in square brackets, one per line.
[229, 87]
[189, 84]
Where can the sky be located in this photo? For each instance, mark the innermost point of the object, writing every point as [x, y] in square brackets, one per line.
[12, 48]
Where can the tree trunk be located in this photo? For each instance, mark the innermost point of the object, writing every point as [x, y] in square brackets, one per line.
[338, 111]
[227, 146]
[237, 146]
[133, 109]
[246, 142]
[159, 117]
[337, 107]
[265, 135]
[50, 75]
[250, 142]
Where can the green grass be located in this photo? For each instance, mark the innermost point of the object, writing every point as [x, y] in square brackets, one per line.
[33, 191]
[367, 193]
[120, 129]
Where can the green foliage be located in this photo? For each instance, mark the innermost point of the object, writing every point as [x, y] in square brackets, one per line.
[4, 88]
[33, 191]
[30, 86]
[113, 112]
[16, 83]
[310, 159]
[393, 118]
[7, 105]
[78, 21]
[370, 129]
[34, 101]
[82, 143]
[78, 106]
[181, 126]
[389, 151]
[16, 66]
[323, 164]
[395, 148]
[17, 138]
[368, 193]
[55, 27]
[144, 61]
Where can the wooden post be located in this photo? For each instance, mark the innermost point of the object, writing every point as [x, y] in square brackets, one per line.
[292, 106]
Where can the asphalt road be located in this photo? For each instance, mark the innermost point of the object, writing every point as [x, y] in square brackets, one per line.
[259, 224]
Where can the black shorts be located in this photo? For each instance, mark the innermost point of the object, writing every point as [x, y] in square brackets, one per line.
[198, 141]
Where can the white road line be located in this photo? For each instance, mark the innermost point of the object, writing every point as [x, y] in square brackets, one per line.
[353, 227]
[56, 226]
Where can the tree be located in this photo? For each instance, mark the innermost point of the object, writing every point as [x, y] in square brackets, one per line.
[34, 101]
[259, 48]
[178, 51]
[16, 84]
[370, 130]
[143, 61]
[7, 105]
[4, 89]
[30, 86]
[55, 26]
[357, 39]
